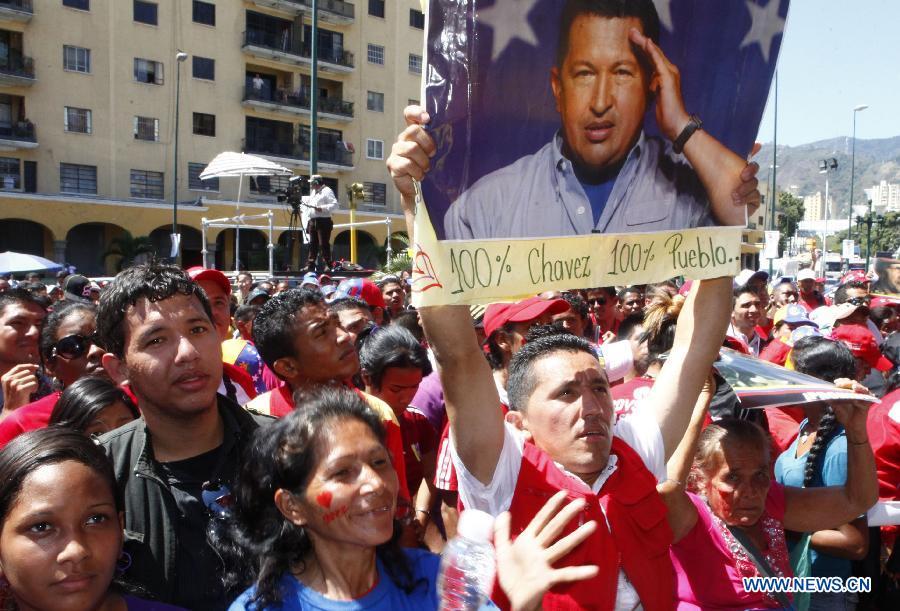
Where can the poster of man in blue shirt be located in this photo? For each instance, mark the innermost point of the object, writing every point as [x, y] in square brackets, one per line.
[504, 158]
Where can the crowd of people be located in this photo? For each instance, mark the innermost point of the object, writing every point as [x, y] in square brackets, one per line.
[186, 442]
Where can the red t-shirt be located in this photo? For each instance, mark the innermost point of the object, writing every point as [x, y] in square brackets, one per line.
[445, 472]
[784, 426]
[29, 417]
[884, 435]
[419, 439]
[627, 395]
[776, 352]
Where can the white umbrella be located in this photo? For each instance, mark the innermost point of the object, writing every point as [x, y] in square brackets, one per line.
[230, 165]
[18, 262]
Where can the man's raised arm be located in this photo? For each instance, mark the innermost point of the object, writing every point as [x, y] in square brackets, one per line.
[730, 182]
[473, 405]
[698, 337]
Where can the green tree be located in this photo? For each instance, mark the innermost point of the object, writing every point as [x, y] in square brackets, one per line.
[885, 234]
[789, 213]
[128, 248]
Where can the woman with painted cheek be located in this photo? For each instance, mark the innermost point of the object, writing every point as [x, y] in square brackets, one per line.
[61, 533]
[735, 521]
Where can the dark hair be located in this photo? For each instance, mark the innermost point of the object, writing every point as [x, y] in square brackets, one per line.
[539, 331]
[840, 295]
[348, 303]
[609, 290]
[257, 542]
[744, 289]
[18, 295]
[245, 312]
[881, 314]
[828, 360]
[52, 445]
[152, 281]
[629, 323]
[409, 320]
[391, 347]
[389, 280]
[83, 401]
[630, 289]
[643, 10]
[578, 305]
[522, 382]
[273, 327]
[823, 358]
[494, 352]
[55, 319]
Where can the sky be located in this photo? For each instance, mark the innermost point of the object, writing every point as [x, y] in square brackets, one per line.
[836, 55]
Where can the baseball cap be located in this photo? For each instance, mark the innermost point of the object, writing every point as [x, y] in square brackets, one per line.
[806, 274]
[792, 314]
[854, 275]
[890, 349]
[746, 275]
[310, 278]
[618, 359]
[363, 288]
[315, 178]
[498, 314]
[862, 344]
[77, 288]
[198, 273]
[801, 332]
[255, 293]
[328, 291]
[884, 300]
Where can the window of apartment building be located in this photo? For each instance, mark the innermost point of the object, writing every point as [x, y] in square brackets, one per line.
[76, 59]
[375, 101]
[376, 8]
[375, 193]
[9, 173]
[145, 12]
[204, 124]
[148, 71]
[204, 12]
[375, 54]
[204, 68]
[146, 184]
[77, 120]
[269, 185]
[146, 128]
[416, 19]
[415, 63]
[77, 178]
[374, 149]
[194, 182]
[84, 5]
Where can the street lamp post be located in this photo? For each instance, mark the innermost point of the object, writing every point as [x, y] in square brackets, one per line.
[179, 59]
[856, 109]
[824, 166]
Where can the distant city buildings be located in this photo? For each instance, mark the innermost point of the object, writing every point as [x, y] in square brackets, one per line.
[814, 207]
[885, 197]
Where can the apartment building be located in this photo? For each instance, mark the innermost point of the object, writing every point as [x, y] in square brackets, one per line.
[88, 119]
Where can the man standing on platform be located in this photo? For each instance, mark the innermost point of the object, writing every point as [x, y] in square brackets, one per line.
[321, 203]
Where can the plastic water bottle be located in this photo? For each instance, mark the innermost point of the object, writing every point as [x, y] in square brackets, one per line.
[467, 564]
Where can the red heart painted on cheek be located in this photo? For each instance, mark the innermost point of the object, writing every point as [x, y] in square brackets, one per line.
[324, 499]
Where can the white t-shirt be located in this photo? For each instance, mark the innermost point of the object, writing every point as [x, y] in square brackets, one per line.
[639, 430]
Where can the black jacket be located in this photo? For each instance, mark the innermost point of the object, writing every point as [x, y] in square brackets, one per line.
[150, 506]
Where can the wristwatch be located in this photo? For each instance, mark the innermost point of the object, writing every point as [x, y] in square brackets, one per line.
[693, 125]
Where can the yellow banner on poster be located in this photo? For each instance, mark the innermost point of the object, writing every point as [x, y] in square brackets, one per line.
[483, 271]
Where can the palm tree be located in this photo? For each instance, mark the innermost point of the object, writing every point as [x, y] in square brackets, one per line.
[129, 249]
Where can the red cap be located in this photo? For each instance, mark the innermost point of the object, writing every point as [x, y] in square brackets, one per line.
[498, 314]
[862, 344]
[854, 275]
[883, 300]
[363, 288]
[198, 273]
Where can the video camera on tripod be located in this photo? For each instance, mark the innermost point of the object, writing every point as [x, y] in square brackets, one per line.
[292, 195]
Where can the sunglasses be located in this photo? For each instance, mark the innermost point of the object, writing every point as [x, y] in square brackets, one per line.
[597, 301]
[860, 301]
[217, 497]
[74, 346]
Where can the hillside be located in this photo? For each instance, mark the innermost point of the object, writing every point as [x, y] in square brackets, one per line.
[798, 166]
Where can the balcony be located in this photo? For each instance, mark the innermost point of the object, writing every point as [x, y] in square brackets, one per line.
[268, 45]
[16, 70]
[331, 159]
[16, 10]
[330, 11]
[281, 100]
[17, 136]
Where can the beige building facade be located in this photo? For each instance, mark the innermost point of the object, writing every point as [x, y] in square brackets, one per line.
[88, 114]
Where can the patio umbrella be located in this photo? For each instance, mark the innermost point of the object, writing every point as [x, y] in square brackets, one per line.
[18, 262]
[759, 383]
[231, 165]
